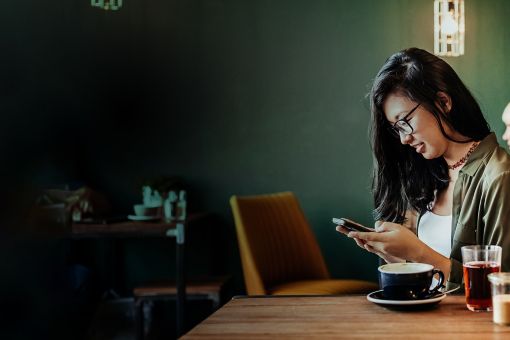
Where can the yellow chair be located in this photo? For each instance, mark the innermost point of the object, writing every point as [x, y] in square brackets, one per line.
[279, 252]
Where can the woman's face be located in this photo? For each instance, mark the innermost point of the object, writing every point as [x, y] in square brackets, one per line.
[506, 120]
[426, 137]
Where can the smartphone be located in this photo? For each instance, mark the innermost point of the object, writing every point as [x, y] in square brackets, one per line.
[351, 225]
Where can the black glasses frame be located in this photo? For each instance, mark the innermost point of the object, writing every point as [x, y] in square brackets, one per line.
[402, 125]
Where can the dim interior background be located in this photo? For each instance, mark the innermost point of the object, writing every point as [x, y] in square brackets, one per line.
[236, 97]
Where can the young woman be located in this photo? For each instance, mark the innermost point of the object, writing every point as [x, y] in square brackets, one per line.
[440, 179]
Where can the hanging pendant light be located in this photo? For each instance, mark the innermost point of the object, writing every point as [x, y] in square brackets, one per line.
[107, 4]
[449, 28]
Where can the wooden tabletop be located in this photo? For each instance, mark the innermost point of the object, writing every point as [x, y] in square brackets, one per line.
[350, 317]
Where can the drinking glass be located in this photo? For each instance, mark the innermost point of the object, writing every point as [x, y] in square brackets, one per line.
[500, 288]
[478, 261]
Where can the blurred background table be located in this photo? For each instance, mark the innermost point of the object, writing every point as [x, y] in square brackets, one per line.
[130, 229]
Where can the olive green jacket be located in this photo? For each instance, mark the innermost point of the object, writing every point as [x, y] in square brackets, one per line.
[481, 204]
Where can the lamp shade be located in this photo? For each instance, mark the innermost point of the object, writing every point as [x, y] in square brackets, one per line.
[107, 4]
[449, 28]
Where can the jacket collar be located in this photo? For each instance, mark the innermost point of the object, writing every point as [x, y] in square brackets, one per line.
[482, 151]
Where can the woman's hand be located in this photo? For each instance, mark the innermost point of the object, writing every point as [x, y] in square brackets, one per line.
[396, 243]
[391, 241]
[346, 232]
[362, 244]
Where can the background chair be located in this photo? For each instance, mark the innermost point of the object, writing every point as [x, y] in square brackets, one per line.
[279, 252]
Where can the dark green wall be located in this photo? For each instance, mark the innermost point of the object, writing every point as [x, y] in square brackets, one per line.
[238, 97]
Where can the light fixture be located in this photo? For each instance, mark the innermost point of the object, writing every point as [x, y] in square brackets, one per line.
[107, 4]
[449, 28]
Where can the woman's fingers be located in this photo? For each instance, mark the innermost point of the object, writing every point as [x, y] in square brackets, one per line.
[360, 243]
[369, 248]
[346, 232]
[373, 250]
[342, 230]
[370, 236]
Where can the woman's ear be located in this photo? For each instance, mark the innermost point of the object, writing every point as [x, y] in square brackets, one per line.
[444, 102]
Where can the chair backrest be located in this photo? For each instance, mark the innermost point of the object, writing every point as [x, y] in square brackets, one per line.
[276, 242]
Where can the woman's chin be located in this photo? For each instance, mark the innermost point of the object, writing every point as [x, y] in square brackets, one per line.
[429, 156]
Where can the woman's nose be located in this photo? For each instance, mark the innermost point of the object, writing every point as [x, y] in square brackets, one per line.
[405, 138]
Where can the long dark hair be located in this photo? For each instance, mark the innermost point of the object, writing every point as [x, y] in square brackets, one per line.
[402, 178]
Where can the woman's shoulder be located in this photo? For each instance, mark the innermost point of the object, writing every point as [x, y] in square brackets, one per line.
[497, 165]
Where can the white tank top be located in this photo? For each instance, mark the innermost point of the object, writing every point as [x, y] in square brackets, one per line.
[436, 232]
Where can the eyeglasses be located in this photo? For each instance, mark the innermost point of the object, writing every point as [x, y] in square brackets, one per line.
[402, 125]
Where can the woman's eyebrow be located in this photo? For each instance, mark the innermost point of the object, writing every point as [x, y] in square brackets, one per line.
[400, 115]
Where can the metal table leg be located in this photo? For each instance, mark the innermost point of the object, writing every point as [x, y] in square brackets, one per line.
[180, 278]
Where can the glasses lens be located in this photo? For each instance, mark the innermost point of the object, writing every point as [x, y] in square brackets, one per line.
[404, 127]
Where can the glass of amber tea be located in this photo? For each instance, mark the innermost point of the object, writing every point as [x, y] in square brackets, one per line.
[479, 261]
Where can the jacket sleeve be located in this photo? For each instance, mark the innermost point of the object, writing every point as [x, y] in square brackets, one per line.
[496, 216]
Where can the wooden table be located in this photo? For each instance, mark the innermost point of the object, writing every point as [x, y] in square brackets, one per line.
[350, 316]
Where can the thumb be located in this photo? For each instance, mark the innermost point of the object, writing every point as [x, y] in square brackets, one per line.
[379, 225]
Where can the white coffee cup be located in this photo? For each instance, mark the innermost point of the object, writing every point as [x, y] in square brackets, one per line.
[143, 210]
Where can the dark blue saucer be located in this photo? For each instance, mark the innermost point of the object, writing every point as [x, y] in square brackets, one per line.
[428, 302]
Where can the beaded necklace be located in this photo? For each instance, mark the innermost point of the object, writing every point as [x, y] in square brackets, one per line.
[465, 158]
